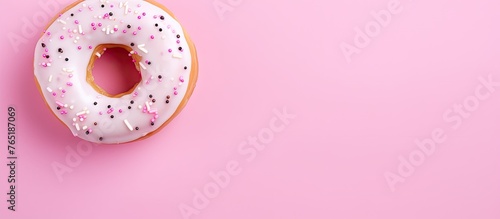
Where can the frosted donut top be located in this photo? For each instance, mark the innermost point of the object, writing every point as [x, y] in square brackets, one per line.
[63, 53]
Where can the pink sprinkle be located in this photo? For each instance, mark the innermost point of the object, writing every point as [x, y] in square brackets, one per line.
[115, 29]
[152, 37]
[90, 47]
[120, 111]
[110, 111]
[135, 32]
[143, 13]
[70, 75]
[168, 26]
[111, 6]
[80, 10]
[99, 24]
[54, 94]
[71, 36]
[90, 131]
[169, 50]
[59, 104]
[64, 91]
[46, 50]
[153, 120]
[178, 41]
[44, 55]
[156, 116]
[175, 92]
[124, 31]
[69, 84]
[62, 95]
[77, 22]
[64, 112]
[138, 5]
[100, 113]
[139, 28]
[61, 37]
[94, 28]
[181, 79]
[175, 88]
[155, 16]
[92, 24]
[48, 33]
[79, 47]
[138, 17]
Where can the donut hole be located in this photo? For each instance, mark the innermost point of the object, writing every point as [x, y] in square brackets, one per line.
[115, 73]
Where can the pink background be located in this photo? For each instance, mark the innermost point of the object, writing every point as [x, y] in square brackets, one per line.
[353, 120]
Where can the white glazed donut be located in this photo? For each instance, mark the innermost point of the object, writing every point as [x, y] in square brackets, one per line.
[160, 48]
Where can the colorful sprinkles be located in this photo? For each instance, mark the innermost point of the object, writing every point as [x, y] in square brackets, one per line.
[151, 36]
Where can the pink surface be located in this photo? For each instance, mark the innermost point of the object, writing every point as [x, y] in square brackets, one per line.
[418, 77]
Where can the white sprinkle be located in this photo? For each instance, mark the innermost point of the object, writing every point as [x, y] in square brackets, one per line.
[107, 30]
[153, 111]
[126, 8]
[48, 64]
[50, 78]
[78, 38]
[163, 37]
[147, 106]
[180, 83]
[172, 79]
[74, 119]
[60, 88]
[84, 5]
[132, 52]
[81, 113]
[142, 66]
[77, 127]
[49, 89]
[67, 70]
[59, 103]
[74, 31]
[75, 41]
[103, 29]
[84, 127]
[140, 106]
[98, 54]
[71, 107]
[128, 125]
[61, 21]
[121, 4]
[80, 28]
[177, 56]
[141, 47]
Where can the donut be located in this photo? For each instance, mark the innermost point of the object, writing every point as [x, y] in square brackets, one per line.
[159, 47]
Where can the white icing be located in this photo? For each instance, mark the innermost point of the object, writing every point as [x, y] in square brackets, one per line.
[67, 79]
